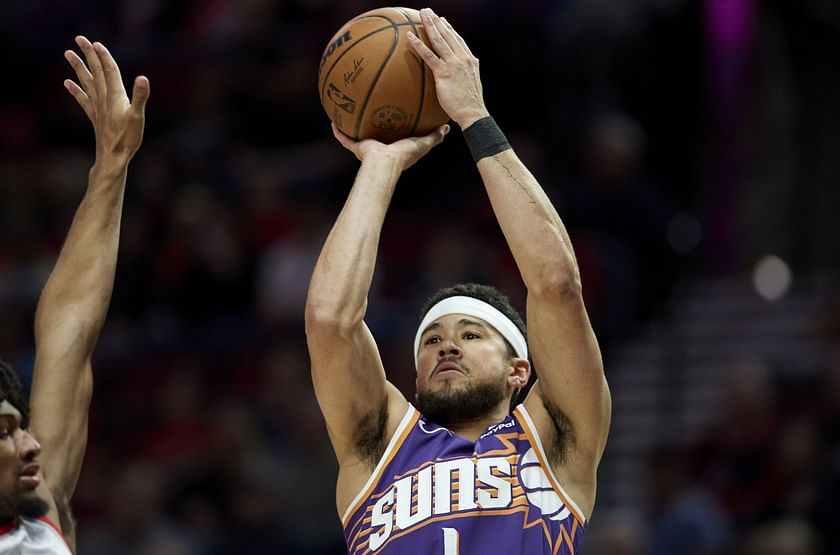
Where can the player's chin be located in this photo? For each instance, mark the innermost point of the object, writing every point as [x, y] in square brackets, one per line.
[446, 385]
[30, 505]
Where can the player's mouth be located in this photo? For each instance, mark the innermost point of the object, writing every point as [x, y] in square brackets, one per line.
[447, 368]
[29, 476]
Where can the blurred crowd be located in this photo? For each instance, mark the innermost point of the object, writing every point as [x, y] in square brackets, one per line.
[677, 138]
[762, 480]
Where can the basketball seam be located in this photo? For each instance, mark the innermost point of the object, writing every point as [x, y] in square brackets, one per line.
[422, 77]
[375, 79]
[360, 39]
[349, 48]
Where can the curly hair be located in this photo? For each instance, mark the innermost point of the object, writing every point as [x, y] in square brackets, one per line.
[497, 300]
[11, 390]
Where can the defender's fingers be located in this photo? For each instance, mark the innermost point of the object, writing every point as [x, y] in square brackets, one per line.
[80, 96]
[110, 71]
[140, 94]
[94, 66]
[82, 73]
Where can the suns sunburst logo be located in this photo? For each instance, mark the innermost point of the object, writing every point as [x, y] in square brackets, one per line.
[538, 488]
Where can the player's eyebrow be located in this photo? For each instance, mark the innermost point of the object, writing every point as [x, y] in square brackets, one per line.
[10, 417]
[430, 327]
[464, 322]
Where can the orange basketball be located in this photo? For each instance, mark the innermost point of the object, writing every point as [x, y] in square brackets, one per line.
[371, 82]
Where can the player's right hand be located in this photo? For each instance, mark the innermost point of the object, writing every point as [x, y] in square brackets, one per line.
[455, 68]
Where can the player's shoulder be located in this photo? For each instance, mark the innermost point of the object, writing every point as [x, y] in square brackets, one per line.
[59, 515]
[555, 438]
[33, 535]
[374, 443]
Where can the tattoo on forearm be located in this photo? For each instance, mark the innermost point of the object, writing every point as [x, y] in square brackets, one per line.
[515, 180]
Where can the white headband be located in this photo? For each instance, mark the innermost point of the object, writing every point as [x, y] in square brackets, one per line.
[474, 307]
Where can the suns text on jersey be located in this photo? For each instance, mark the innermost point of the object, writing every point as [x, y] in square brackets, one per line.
[438, 489]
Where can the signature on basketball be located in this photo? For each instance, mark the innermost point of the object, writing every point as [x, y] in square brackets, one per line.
[351, 76]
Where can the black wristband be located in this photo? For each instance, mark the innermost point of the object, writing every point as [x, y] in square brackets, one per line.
[484, 138]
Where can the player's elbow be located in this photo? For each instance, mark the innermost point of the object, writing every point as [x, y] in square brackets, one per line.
[330, 318]
[558, 280]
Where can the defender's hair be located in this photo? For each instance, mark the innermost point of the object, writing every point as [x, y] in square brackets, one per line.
[11, 390]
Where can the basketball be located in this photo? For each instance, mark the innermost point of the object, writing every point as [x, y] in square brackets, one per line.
[373, 85]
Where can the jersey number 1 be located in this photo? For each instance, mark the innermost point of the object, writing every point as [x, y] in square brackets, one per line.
[450, 541]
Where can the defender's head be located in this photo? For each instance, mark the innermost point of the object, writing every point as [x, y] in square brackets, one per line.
[19, 471]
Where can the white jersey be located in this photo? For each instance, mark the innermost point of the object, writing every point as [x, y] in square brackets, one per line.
[28, 536]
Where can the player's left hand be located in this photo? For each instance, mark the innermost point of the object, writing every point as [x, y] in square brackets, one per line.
[405, 151]
[454, 67]
[117, 122]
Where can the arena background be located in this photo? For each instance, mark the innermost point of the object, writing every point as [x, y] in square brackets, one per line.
[690, 146]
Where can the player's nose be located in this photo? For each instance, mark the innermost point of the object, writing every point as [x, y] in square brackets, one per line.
[448, 347]
[29, 448]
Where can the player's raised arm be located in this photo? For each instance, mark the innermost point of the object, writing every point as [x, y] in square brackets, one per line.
[74, 302]
[571, 401]
[355, 398]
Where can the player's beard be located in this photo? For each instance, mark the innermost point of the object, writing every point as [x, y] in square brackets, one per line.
[27, 505]
[32, 506]
[449, 405]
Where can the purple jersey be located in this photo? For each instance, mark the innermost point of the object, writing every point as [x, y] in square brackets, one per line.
[436, 493]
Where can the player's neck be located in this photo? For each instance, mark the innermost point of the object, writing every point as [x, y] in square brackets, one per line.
[473, 429]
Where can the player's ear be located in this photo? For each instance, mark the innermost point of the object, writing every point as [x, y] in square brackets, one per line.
[520, 372]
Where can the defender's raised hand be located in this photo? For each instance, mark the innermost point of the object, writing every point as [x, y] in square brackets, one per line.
[74, 301]
[117, 122]
[455, 68]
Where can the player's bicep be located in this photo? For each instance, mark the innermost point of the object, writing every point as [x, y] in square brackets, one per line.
[351, 389]
[571, 373]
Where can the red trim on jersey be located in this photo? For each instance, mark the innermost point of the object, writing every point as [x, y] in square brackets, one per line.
[6, 528]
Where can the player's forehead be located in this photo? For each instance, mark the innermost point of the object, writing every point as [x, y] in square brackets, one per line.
[456, 321]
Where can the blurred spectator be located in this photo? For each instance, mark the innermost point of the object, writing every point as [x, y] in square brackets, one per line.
[736, 459]
[685, 518]
[618, 531]
[619, 219]
[136, 523]
[782, 537]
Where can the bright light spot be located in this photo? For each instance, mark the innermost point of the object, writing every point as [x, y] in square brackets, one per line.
[772, 277]
[684, 233]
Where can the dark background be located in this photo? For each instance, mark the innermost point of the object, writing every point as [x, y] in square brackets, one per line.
[688, 145]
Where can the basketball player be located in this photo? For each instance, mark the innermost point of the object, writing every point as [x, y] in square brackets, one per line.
[456, 472]
[41, 454]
